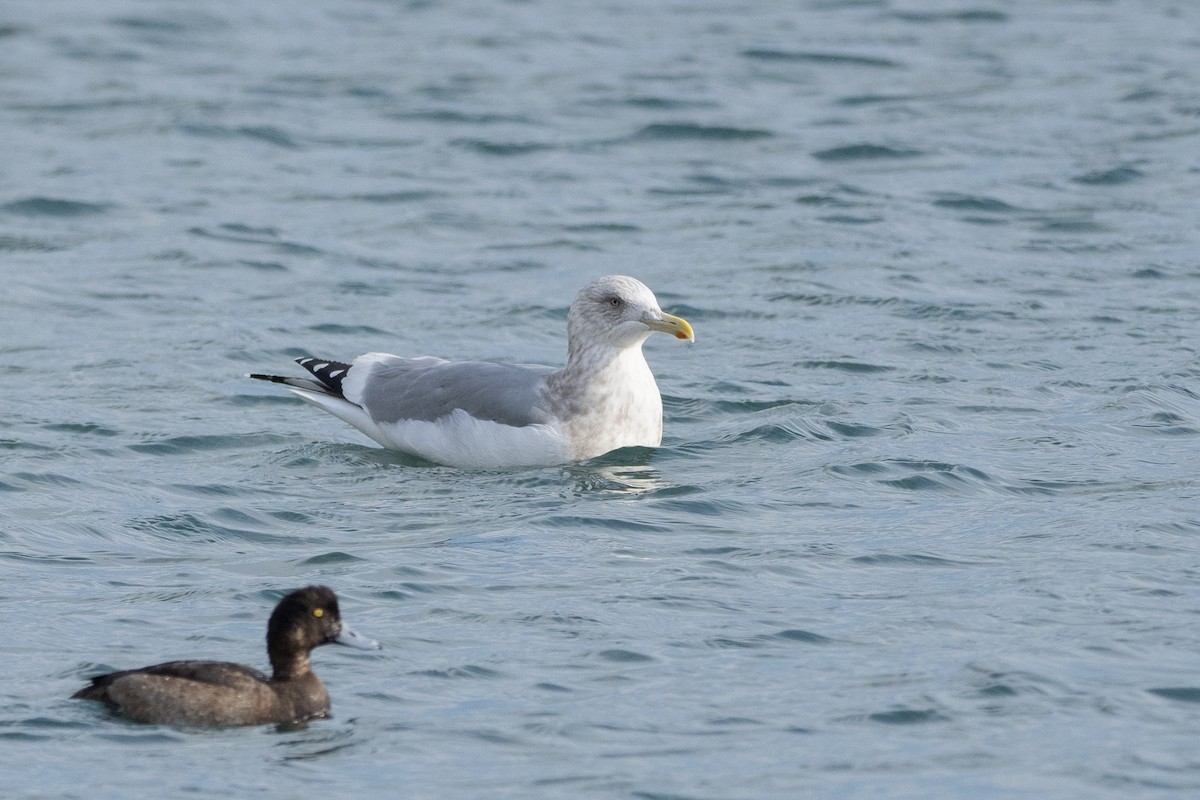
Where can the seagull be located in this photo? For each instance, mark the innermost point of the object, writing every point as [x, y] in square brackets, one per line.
[485, 415]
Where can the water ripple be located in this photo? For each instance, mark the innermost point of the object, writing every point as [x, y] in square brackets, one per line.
[1183, 694]
[53, 207]
[864, 152]
[676, 131]
[919, 475]
[832, 59]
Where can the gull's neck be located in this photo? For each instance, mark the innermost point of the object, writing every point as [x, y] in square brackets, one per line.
[590, 361]
[607, 398]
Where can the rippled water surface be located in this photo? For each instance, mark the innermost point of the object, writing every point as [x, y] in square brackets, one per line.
[925, 520]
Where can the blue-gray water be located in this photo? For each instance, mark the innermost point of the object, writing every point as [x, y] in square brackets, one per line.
[926, 518]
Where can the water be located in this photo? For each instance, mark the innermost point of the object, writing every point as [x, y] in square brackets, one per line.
[924, 522]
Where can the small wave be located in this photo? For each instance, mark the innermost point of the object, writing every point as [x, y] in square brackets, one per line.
[718, 551]
[750, 406]
[939, 347]
[575, 522]
[825, 201]
[875, 99]
[21, 444]
[1070, 224]
[1182, 694]
[17, 244]
[502, 149]
[175, 445]
[907, 308]
[207, 489]
[1145, 273]
[388, 198]
[192, 528]
[700, 185]
[851, 219]
[854, 367]
[31, 729]
[236, 232]
[603, 227]
[694, 131]
[977, 203]
[82, 429]
[797, 635]
[851, 430]
[864, 152]
[907, 716]
[43, 479]
[736, 644]
[545, 244]
[334, 557]
[622, 656]
[1109, 177]
[775, 421]
[179, 22]
[347, 330]
[1186, 527]
[964, 15]
[1167, 423]
[263, 266]
[807, 57]
[54, 207]
[454, 117]
[470, 671]
[664, 103]
[907, 560]
[777, 432]
[918, 476]
[268, 134]
[701, 507]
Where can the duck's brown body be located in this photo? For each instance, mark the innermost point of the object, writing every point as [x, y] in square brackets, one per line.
[208, 693]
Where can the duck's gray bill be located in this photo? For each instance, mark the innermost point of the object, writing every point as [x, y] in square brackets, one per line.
[349, 638]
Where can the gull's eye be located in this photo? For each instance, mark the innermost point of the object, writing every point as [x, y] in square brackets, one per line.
[318, 612]
[615, 301]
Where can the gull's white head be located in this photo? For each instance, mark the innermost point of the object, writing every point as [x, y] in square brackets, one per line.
[619, 312]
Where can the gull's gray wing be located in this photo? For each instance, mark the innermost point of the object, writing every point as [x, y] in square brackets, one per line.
[392, 389]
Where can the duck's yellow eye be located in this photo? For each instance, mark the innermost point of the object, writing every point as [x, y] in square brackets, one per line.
[318, 612]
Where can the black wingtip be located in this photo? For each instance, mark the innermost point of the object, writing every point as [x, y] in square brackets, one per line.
[271, 378]
[329, 373]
